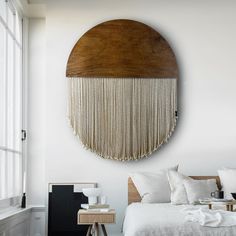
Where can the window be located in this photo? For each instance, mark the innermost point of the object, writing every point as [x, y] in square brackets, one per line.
[10, 102]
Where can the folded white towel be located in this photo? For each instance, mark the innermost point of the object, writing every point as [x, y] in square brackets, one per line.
[210, 218]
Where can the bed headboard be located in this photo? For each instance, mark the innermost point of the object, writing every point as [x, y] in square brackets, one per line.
[133, 195]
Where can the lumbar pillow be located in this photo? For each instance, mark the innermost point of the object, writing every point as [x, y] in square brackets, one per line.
[178, 192]
[227, 179]
[153, 187]
[199, 189]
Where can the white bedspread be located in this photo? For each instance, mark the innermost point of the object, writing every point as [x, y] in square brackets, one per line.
[166, 220]
[210, 218]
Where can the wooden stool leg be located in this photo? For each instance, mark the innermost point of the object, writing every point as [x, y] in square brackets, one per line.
[93, 229]
[104, 230]
[89, 230]
[96, 229]
[209, 206]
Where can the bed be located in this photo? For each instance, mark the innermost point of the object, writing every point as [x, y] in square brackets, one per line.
[164, 219]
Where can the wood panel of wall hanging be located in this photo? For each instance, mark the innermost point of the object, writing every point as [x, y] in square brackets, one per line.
[123, 90]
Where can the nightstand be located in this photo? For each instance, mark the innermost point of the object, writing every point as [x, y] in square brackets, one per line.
[96, 218]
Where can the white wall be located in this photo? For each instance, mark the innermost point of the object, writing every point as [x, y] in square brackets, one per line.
[36, 109]
[203, 35]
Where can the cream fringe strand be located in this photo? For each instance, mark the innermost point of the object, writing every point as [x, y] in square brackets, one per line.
[124, 118]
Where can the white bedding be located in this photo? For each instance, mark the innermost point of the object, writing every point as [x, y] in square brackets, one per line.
[164, 219]
[211, 218]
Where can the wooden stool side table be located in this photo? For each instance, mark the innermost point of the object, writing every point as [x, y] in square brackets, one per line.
[96, 218]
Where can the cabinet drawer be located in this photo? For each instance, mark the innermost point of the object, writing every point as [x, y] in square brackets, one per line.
[99, 218]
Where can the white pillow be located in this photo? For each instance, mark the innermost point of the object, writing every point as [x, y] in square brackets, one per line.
[199, 189]
[227, 180]
[153, 187]
[178, 192]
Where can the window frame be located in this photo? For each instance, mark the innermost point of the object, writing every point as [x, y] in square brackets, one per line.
[20, 43]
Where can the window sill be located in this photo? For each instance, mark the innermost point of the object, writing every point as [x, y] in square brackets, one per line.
[14, 212]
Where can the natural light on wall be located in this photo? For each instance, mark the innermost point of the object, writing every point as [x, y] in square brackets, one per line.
[10, 101]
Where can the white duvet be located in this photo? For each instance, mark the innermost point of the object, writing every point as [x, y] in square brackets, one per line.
[165, 219]
[210, 218]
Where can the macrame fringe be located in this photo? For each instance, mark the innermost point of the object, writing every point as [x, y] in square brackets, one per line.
[122, 119]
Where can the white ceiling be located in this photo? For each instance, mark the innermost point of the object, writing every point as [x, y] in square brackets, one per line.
[36, 1]
[32, 8]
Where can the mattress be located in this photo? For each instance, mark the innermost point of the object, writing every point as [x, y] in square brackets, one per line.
[165, 219]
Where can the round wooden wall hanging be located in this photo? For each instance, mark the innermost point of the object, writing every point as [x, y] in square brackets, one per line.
[123, 89]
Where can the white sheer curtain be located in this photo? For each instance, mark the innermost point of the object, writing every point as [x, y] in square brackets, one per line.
[10, 101]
